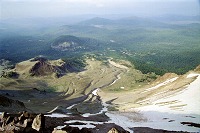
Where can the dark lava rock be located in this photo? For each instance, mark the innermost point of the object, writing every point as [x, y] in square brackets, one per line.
[151, 130]
[11, 105]
[86, 130]
[71, 129]
[9, 74]
[39, 122]
[191, 124]
[22, 123]
[42, 68]
[113, 130]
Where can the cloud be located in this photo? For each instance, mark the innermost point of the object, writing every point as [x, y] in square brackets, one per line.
[48, 8]
[97, 3]
[26, 0]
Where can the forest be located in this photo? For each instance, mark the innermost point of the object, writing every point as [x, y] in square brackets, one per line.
[150, 45]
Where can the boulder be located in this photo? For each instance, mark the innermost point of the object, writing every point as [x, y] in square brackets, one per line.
[39, 122]
[113, 130]
[22, 122]
[58, 131]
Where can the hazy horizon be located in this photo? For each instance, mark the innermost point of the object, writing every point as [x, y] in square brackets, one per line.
[12, 9]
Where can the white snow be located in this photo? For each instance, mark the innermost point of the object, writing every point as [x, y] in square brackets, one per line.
[60, 127]
[157, 116]
[192, 75]
[161, 84]
[57, 115]
[117, 119]
[95, 91]
[159, 120]
[118, 77]
[122, 121]
[53, 110]
[83, 126]
[88, 123]
[70, 107]
[189, 98]
[155, 120]
[104, 109]
[186, 108]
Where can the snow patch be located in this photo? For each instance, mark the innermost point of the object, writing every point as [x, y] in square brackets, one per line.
[122, 121]
[118, 77]
[57, 115]
[53, 109]
[161, 84]
[95, 91]
[88, 124]
[83, 126]
[167, 121]
[192, 75]
[168, 113]
[70, 107]
[104, 109]
[188, 101]
[60, 127]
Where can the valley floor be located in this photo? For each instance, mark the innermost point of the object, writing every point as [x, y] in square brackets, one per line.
[112, 92]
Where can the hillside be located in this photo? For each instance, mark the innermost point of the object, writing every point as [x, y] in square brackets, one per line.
[75, 80]
[171, 102]
[73, 43]
[151, 45]
[113, 89]
[103, 75]
[168, 85]
[128, 21]
[40, 66]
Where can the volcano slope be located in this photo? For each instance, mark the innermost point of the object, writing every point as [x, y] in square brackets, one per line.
[110, 88]
[43, 84]
[171, 102]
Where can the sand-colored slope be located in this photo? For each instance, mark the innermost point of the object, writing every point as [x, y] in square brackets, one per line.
[166, 103]
[164, 86]
[185, 101]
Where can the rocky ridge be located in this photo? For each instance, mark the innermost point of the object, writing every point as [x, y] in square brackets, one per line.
[40, 66]
[10, 104]
[38, 123]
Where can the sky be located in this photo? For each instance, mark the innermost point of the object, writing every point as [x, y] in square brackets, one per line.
[61, 8]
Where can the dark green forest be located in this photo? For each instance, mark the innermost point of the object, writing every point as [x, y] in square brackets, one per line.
[151, 46]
